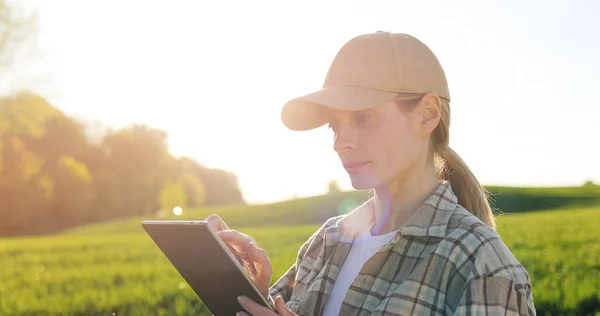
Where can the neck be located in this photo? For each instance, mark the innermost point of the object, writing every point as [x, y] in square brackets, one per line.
[397, 201]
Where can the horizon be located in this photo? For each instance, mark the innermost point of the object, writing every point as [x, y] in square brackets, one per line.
[515, 120]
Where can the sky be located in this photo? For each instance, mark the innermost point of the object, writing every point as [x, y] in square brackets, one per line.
[523, 78]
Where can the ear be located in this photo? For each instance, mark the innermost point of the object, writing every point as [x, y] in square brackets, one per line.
[430, 112]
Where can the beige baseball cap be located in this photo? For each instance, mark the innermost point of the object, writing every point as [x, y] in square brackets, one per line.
[368, 71]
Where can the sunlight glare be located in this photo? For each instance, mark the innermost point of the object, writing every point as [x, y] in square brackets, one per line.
[347, 206]
[177, 210]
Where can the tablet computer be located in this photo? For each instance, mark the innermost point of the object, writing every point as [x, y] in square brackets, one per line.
[206, 264]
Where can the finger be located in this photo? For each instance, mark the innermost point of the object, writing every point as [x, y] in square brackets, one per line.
[261, 259]
[216, 223]
[280, 306]
[238, 240]
[241, 255]
[241, 258]
[242, 314]
[254, 308]
[263, 267]
[239, 244]
[250, 266]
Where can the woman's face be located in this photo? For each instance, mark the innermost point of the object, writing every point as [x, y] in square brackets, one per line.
[379, 145]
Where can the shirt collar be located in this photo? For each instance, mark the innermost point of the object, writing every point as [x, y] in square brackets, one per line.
[431, 219]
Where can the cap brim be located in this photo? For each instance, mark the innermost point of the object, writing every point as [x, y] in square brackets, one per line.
[306, 112]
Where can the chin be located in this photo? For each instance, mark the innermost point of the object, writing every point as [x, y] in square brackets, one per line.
[365, 182]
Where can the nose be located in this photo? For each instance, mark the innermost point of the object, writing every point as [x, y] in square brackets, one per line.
[344, 141]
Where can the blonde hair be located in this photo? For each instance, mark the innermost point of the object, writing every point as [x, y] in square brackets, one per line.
[450, 166]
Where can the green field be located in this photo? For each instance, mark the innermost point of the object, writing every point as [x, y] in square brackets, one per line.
[115, 268]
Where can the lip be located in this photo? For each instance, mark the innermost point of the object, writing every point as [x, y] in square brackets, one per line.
[353, 166]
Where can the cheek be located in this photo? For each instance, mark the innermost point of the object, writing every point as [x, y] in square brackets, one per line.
[399, 151]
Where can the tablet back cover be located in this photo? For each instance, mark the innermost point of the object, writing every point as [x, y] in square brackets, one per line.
[205, 265]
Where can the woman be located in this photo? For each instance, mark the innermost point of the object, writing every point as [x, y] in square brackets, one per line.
[425, 243]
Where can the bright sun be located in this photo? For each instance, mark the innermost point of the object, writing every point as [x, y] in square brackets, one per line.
[177, 211]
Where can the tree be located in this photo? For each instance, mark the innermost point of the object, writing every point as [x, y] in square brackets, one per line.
[220, 186]
[333, 187]
[52, 177]
[139, 157]
[194, 190]
[24, 193]
[71, 193]
[107, 198]
[589, 183]
[16, 28]
[172, 195]
[15, 174]
[25, 189]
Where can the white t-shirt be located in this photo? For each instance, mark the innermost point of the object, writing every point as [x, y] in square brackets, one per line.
[363, 248]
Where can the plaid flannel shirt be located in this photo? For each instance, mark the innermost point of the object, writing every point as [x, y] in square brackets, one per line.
[443, 261]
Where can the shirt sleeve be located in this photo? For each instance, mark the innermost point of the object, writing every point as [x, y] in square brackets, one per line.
[495, 295]
[285, 284]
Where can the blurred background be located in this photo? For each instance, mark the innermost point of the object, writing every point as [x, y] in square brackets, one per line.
[116, 111]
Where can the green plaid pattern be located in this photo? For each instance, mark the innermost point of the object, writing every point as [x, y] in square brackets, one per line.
[443, 261]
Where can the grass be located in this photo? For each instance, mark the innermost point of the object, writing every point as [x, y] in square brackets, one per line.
[121, 273]
[561, 251]
[314, 210]
[115, 268]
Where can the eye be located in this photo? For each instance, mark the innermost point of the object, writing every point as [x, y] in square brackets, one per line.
[361, 117]
[331, 127]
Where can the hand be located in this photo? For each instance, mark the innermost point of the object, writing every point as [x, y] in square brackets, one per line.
[256, 309]
[254, 259]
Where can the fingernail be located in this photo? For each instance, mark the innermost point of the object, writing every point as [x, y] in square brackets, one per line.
[241, 299]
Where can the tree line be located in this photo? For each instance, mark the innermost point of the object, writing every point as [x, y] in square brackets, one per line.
[53, 176]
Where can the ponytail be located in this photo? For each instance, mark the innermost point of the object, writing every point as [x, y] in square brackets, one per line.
[471, 195]
[449, 166]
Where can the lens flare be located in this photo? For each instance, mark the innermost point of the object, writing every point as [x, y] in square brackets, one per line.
[347, 206]
[177, 211]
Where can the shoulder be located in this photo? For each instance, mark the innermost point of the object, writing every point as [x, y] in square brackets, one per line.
[316, 239]
[489, 272]
[482, 249]
[330, 222]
